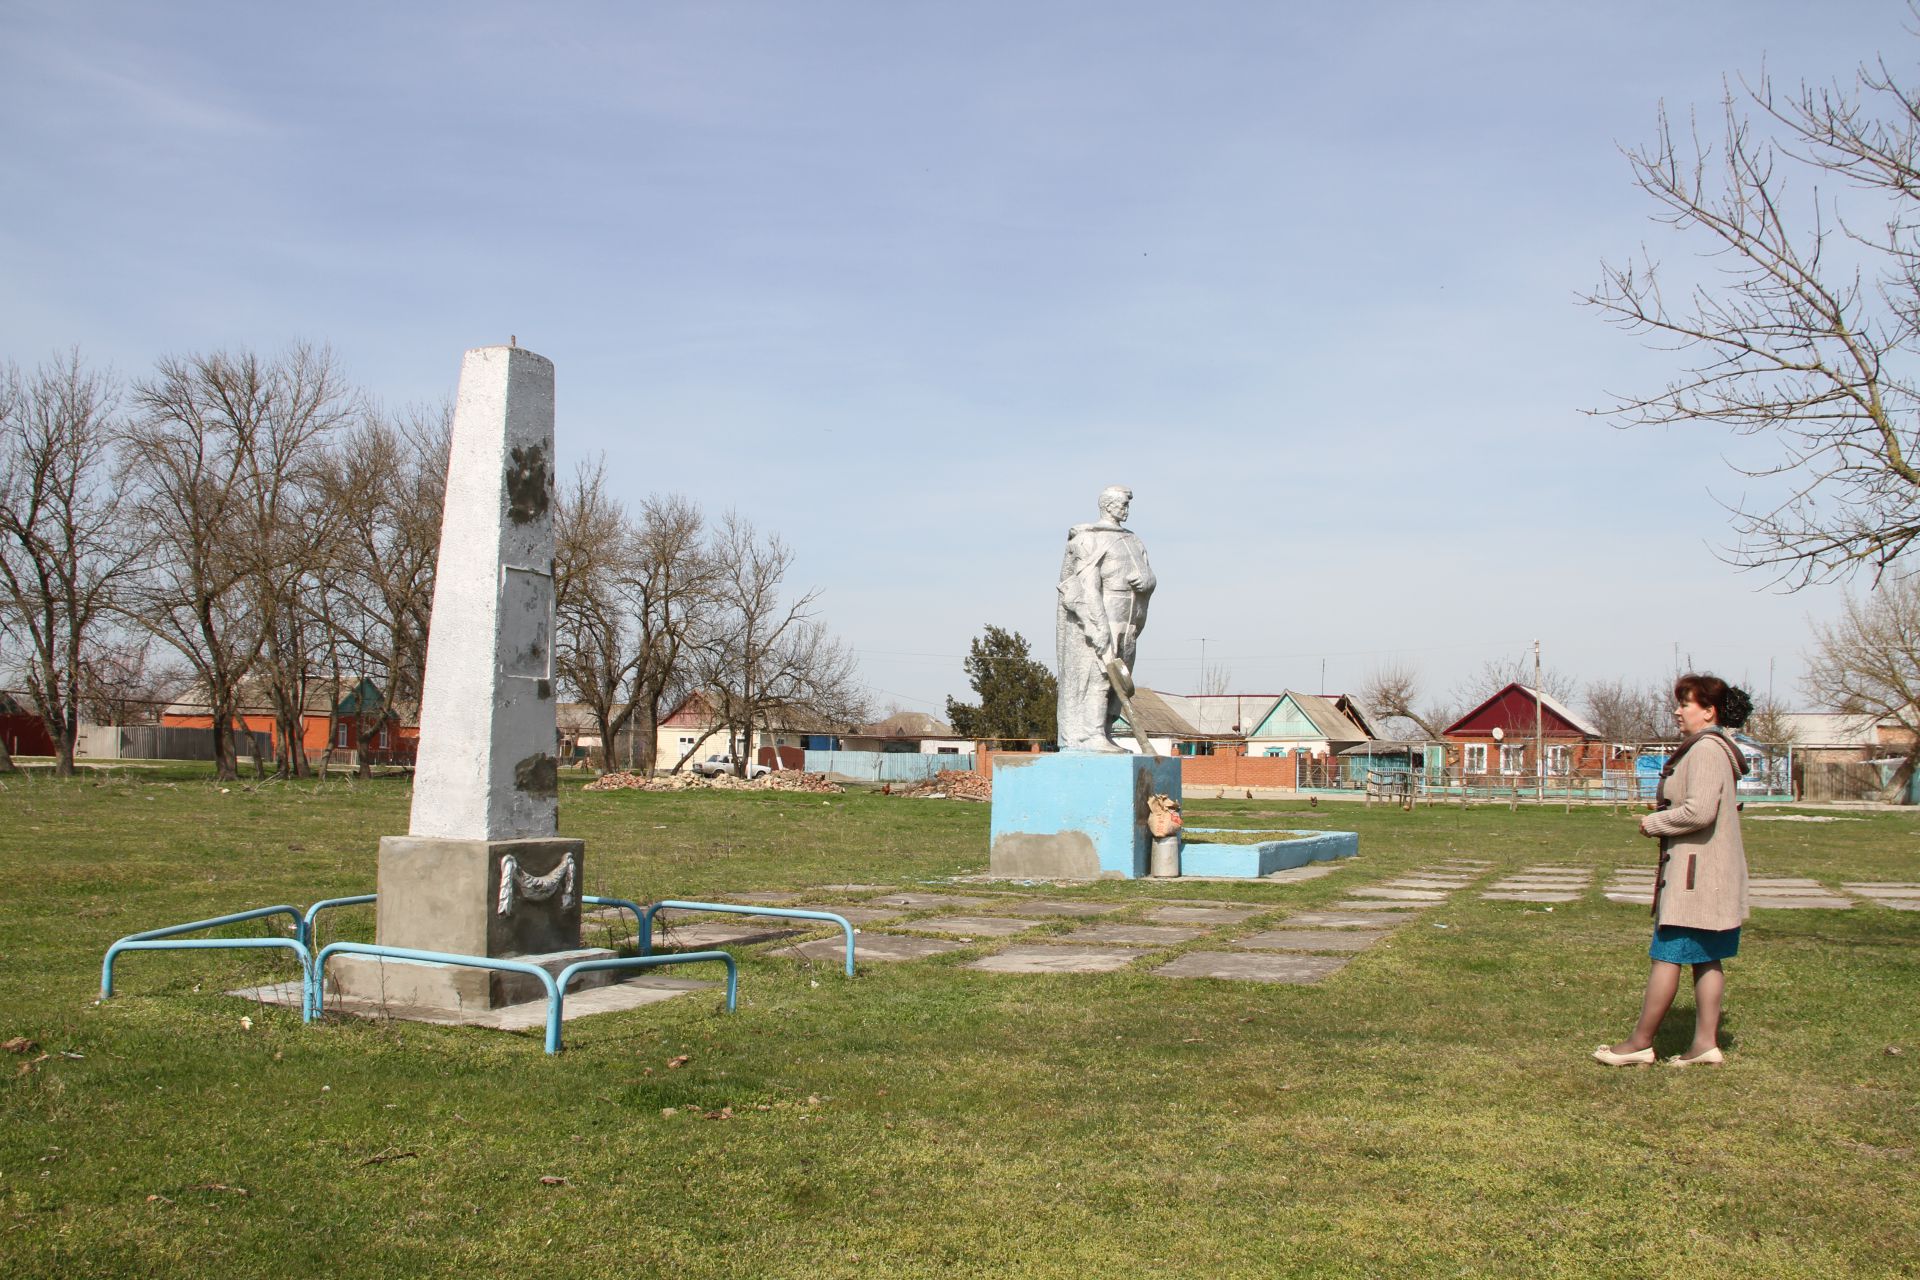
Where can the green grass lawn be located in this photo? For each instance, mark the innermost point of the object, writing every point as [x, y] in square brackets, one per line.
[1428, 1110]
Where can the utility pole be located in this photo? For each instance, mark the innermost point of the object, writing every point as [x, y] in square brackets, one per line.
[1539, 753]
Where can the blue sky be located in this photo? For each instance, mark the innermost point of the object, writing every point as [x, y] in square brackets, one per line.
[909, 283]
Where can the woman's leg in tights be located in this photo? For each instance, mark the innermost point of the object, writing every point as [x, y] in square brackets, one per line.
[1709, 989]
[1662, 983]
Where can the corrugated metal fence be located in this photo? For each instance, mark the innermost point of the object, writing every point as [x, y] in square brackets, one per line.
[883, 766]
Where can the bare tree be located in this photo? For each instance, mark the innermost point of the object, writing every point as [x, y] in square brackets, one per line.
[767, 661]
[121, 684]
[385, 489]
[674, 581]
[1771, 725]
[222, 456]
[1807, 329]
[64, 549]
[596, 650]
[1393, 692]
[1215, 679]
[1868, 661]
[1496, 674]
[1630, 713]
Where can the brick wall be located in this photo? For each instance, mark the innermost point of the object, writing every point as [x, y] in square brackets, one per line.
[1239, 771]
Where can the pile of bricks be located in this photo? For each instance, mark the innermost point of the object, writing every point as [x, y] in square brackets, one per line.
[958, 784]
[778, 780]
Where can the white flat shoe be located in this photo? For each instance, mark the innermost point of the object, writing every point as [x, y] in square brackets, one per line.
[1638, 1058]
[1711, 1058]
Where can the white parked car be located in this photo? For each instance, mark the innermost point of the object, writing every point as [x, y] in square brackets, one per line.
[714, 765]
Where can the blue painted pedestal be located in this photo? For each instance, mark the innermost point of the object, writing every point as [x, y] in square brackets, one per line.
[1077, 815]
[1286, 849]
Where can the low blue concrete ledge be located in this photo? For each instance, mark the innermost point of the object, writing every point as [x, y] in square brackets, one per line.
[1075, 815]
[1286, 849]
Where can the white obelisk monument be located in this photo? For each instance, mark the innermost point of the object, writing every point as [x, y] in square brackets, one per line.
[481, 871]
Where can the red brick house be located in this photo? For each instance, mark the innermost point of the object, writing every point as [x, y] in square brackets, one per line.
[1495, 740]
[325, 724]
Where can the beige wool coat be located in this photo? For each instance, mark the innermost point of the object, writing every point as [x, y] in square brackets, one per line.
[1702, 881]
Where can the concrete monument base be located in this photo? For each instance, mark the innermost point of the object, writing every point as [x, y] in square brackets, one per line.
[401, 986]
[512, 899]
[1075, 815]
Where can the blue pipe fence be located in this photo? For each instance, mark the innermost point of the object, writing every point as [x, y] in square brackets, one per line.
[169, 939]
[738, 909]
[313, 968]
[556, 987]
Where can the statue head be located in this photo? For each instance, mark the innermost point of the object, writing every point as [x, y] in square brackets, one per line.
[1115, 500]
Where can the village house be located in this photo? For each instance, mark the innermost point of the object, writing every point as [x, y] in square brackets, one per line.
[913, 732]
[1495, 740]
[692, 731]
[1309, 724]
[346, 722]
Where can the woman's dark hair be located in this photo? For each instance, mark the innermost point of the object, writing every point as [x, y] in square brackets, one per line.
[1731, 704]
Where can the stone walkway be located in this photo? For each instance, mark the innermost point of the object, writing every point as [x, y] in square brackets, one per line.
[1248, 943]
[1234, 941]
[1774, 893]
[1557, 883]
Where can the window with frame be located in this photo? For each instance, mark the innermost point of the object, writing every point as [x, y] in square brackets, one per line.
[383, 737]
[1476, 757]
[1513, 759]
[340, 738]
[1560, 760]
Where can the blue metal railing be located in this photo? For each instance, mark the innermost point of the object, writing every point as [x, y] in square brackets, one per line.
[306, 921]
[555, 987]
[168, 939]
[739, 909]
[639, 914]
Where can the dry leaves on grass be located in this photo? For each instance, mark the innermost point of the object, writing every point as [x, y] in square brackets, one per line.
[553, 1180]
[19, 1044]
[678, 1062]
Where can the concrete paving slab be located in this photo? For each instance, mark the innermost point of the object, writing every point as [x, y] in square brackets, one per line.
[873, 948]
[1156, 935]
[1308, 871]
[614, 997]
[1336, 920]
[1205, 915]
[1051, 907]
[1868, 886]
[1243, 966]
[1879, 892]
[1386, 909]
[1030, 959]
[932, 901]
[1399, 895]
[972, 926]
[705, 935]
[855, 888]
[1537, 881]
[862, 915]
[1823, 903]
[1522, 895]
[1308, 940]
[769, 897]
[1781, 882]
[1427, 882]
[1899, 904]
[1634, 899]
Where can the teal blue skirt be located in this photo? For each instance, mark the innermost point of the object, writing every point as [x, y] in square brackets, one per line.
[1678, 944]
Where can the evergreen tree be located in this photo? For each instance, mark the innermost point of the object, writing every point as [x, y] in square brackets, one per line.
[1016, 694]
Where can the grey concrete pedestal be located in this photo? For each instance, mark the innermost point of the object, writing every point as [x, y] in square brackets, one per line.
[512, 899]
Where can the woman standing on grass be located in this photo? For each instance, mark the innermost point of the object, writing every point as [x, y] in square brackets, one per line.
[1700, 889]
